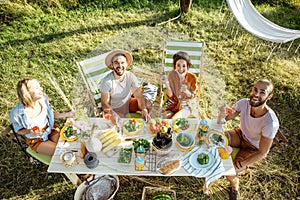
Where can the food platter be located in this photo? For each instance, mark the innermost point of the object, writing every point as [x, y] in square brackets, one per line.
[154, 125]
[217, 138]
[67, 133]
[181, 125]
[194, 162]
[168, 165]
[132, 126]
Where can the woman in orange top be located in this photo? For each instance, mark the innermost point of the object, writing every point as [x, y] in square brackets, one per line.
[181, 86]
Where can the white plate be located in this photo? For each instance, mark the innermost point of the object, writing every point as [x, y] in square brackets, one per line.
[193, 160]
[218, 133]
[139, 125]
[179, 129]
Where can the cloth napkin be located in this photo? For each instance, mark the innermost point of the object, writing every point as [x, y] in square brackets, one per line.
[211, 173]
[150, 91]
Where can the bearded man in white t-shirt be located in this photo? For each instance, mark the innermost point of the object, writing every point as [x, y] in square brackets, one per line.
[258, 127]
[118, 87]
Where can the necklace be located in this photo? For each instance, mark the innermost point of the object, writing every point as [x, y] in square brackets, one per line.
[121, 79]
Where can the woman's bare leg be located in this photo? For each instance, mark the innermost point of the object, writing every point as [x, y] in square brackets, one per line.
[47, 147]
[54, 138]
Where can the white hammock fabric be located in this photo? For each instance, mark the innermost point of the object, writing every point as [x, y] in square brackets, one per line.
[258, 25]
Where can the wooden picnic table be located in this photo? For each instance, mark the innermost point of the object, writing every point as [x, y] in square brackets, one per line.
[108, 162]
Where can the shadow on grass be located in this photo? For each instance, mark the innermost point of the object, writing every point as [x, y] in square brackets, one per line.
[131, 187]
[21, 178]
[45, 38]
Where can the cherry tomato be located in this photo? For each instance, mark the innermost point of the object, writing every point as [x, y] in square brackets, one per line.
[36, 129]
[185, 127]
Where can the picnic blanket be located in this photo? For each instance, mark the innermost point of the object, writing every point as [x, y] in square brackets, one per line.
[211, 173]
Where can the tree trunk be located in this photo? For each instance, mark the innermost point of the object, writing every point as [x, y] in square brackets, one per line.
[185, 5]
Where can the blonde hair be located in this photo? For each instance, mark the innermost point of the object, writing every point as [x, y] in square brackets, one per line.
[268, 83]
[23, 93]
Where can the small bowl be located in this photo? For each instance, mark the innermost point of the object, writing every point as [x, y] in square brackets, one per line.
[185, 141]
[68, 158]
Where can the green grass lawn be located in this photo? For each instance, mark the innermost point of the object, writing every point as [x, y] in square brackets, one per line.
[48, 39]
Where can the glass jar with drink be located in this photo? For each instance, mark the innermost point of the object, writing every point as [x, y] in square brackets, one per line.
[107, 114]
[202, 132]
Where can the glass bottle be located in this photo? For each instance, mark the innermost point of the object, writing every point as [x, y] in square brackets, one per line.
[202, 131]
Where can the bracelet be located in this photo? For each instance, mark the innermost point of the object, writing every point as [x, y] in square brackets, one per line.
[240, 164]
[145, 110]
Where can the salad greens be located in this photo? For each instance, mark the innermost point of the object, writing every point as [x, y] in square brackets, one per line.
[131, 125]
[68, 131]
[125, 155]
[216, 138]
[141, 142]
[182, 123]
[183, 140]
[203, 159]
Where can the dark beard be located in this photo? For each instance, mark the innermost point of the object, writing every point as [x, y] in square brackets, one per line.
[257, 104]
[119, 73]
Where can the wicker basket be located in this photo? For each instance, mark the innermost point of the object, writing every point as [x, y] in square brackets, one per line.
[82, 187]
[148, 192]
[162, 152]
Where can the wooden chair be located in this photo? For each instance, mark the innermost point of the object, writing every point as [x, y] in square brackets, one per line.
[92, 71]
[277, 141]
[34, 157]
[195, 51]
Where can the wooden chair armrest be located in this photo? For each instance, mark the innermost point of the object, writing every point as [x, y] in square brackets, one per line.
[6, 130]
[281, 136]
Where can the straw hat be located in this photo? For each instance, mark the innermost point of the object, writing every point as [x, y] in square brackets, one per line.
[109, 57]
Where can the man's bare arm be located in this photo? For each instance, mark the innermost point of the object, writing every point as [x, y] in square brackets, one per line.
[105, 98]
[141, 102]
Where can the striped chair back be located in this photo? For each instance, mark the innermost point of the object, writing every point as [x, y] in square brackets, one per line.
[194, 49]
[195, 52]
[93, 70]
